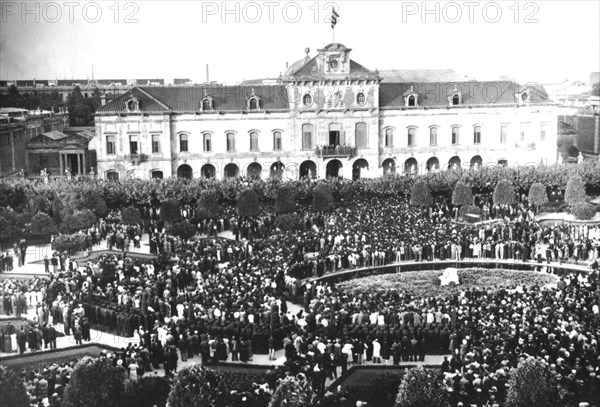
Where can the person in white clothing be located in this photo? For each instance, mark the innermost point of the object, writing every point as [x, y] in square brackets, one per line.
[376, 351]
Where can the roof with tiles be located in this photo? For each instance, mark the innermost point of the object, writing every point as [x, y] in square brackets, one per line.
[189, 98]
[432, 94]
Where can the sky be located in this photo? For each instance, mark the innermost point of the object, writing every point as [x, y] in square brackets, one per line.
[529, 41]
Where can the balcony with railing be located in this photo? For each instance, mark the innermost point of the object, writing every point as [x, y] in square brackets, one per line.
[139, 158]
[335, 152]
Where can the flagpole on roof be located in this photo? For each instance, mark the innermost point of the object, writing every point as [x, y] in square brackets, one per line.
[334, 20]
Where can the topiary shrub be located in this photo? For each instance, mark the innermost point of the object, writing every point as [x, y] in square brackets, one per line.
[421, 195]
[575, 191]
[131, 216]
[170, 211]
[12, 389]
[288, 221]
[292, 392]
[537, 195]
[208, 205]
[183, 229]
[322, 198]
[583, 211]
[285, 201]
[531, 384]
[462, 194]
[504, 193]
[422, 387]
[198, 386]
[247, 203]
[72, 243]
[470, 210]
[95, 383]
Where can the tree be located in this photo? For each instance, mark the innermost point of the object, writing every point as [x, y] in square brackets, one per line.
[247, 203]
[208, 205]
[462, 194]
[504, 193]
[43, 225]
[170, 211]
[95, 382]
[537, 195]
[421, 195]
[322, 198]
[288, 221]
[148, 391]
[292, 392]
[12, 389]
[131, 216]
[421, 387]
[531, 384]
[78, 220]
[575, 191]
[198, 386]
[286, 200]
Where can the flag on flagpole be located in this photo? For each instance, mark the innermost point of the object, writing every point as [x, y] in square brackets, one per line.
[334, 17]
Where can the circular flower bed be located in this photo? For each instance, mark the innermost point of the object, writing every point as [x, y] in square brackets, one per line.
[427, 283]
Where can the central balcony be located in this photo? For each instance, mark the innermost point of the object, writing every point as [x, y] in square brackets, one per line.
[335, 152]
[140, 158]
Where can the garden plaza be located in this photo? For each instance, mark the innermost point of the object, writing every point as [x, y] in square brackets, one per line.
[214, 299]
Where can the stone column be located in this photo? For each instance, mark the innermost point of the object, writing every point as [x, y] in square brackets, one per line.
[78, 164]
[84, 164]
[60, 161]
[597, 135]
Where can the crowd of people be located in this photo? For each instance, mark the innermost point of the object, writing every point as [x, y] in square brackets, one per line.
[222, 300]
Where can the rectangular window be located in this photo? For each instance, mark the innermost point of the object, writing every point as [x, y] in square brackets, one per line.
[477, 135]
[207, 142]
[361, 135]
[389, 138]
[411, 137]
[543, 132]
[277, 140]
[307, 137]
[155, 143]
[433, 136]
[183, 143]
[503, 133]
[455, 133]
[133, 144]
[254, 141]
[230, 142]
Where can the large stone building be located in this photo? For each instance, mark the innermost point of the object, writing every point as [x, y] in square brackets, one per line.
[326, 116]
[18, 127]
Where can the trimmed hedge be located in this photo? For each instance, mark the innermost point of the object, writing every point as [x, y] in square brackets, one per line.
[583, 211]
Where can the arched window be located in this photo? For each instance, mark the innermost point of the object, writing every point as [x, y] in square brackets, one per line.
[360, 98]
[477, 135]
[389, 137]
[456, 99]
[411, 136]
[230, 142]
[307, 136]
[253, 141]
[112, 175]
[207, 142]
[361, 135]
[183, 143]
[277, 140]
[412, 100]
[206, 105]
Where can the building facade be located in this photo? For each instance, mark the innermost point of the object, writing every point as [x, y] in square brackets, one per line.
[18, 127]
[327, 116]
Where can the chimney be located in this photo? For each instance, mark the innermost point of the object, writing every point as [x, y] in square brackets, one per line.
[207, 76]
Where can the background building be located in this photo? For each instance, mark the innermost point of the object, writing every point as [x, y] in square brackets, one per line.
[326, 116]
